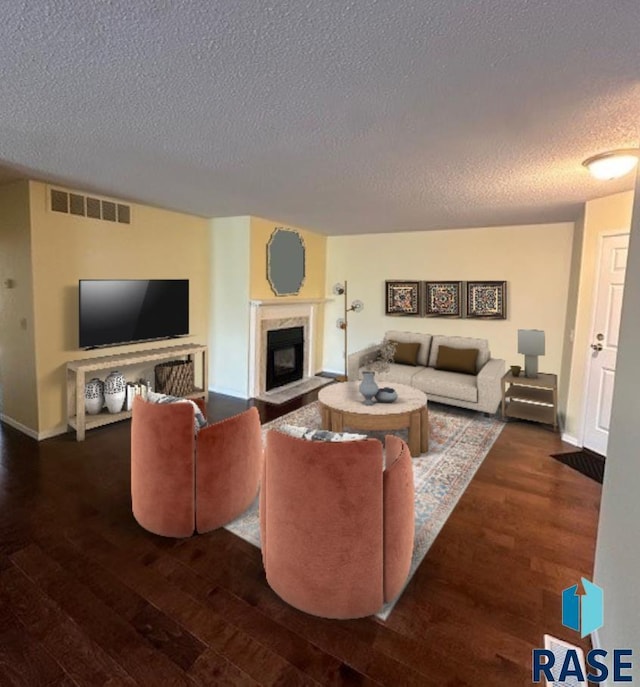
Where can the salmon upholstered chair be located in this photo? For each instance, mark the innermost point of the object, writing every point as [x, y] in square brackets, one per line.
[337, 530]
[182, 481]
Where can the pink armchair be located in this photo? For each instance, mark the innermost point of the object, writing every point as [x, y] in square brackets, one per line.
[337, 531]
[181, 481]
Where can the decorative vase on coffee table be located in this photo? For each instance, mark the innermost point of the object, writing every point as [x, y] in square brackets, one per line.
[386, 395]
[115, 391]
[368, 387]
[94, 396]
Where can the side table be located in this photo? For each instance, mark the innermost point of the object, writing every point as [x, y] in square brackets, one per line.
[531, 398]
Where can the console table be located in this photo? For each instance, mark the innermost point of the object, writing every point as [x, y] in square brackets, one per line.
[78, 370]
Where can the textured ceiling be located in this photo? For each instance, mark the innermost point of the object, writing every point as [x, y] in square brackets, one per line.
[344, 117]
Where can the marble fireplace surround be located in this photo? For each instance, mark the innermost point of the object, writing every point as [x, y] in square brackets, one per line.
[267, 315]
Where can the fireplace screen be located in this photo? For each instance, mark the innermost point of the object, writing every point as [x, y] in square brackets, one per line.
[285, 355]
[284, 360]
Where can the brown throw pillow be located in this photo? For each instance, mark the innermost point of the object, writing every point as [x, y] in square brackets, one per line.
[406, 353]
[457, 359]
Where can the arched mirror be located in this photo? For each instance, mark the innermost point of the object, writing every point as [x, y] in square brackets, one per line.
[285, 262]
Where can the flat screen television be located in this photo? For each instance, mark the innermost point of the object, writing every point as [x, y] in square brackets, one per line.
[119, 311]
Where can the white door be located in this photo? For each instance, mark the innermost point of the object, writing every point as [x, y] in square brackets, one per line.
[604, 340]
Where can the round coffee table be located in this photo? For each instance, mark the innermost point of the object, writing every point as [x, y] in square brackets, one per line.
[342, 406]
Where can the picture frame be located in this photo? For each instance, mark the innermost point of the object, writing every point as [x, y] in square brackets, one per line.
[403, 298]
[286, 262]
[443, 299]
[487, 300]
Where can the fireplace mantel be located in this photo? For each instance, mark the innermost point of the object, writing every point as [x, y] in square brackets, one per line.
[282, 301]
[275, 313]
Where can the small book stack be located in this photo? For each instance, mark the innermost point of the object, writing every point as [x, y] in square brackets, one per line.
[140, 388]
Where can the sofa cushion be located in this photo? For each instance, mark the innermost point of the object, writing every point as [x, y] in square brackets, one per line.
[406, 353]
[412, 337]
[460, 342]
[457, 359]
[447, 384]
[398, 374]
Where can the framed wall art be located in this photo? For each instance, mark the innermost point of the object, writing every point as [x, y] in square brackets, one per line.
[285, 262]
[443, 299]
[402, 298]
[487, 299]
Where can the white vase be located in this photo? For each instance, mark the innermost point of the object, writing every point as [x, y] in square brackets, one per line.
[368, 387]
[94, 396]
[115, 391]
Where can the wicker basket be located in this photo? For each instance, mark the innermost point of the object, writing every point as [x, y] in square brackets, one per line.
[175, 378]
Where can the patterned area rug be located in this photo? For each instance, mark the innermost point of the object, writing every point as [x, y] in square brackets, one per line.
[459, 440]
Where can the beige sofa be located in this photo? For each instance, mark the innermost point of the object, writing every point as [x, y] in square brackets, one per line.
[481, 391]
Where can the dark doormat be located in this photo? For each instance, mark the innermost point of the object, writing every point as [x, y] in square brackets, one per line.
[585, 461]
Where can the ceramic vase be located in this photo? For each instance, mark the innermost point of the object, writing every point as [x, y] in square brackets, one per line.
[94, 396]
[386, 395]
[115, 391]
[368, 387]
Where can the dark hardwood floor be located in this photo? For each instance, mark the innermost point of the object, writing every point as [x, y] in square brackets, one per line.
[87, 597]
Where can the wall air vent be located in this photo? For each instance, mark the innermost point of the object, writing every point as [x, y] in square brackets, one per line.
[76, 204]
[89, 206]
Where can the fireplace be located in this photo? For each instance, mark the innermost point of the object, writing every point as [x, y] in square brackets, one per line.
[285, 356]
[271, 315]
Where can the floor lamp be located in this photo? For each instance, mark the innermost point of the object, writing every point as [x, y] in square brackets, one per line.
[343, 323]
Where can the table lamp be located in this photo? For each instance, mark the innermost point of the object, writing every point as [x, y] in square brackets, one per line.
[531, 345]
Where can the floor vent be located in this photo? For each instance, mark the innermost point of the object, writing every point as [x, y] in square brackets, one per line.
[89, 206]
[560, 649]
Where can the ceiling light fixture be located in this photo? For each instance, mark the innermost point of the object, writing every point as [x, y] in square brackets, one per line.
[612, 164]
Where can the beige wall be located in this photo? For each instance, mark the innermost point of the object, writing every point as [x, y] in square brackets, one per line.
[18, 393]
[570, 321]
[315, 261]
[534, 260]
[603, 215]
[157, 244]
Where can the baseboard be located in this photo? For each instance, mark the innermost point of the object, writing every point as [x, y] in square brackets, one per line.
[330, 375]
[229, 392]
[329, 371]
[53, 432]
[19, 426]
[38, 436]
[570, 439]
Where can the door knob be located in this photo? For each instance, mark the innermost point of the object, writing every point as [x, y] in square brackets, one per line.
[596, 346]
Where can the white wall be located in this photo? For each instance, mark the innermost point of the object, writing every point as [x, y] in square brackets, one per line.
[229, 332]
[534, 260]
[617, 564]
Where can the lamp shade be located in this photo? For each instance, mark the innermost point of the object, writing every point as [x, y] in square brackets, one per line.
[531, 341]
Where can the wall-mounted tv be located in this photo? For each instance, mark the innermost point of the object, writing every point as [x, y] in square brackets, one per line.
[119, 311]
